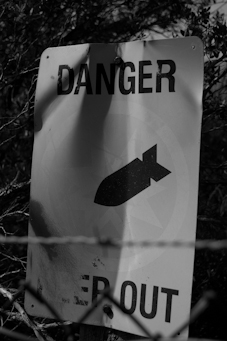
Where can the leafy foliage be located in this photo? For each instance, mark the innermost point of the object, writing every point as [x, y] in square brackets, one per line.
[27, 28]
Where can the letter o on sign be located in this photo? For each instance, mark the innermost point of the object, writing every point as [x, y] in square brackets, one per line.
[123, 297]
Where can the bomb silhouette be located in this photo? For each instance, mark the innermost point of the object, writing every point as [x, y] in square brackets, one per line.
[130, 180]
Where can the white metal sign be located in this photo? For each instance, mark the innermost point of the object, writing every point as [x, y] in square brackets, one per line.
[116, 155]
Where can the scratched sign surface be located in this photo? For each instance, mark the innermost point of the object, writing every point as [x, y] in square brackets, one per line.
[116, 155]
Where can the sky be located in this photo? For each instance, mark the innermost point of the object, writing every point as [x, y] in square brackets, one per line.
[221, 6]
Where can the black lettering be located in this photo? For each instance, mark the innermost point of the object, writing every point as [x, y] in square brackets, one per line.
[78, 301]
[168, 75]
[95, 290]
[143, 76]
[170, 293]
[87, 83]
[65, 84]
[154, 303]
[101, 73]
[131, 80]
[134, 297]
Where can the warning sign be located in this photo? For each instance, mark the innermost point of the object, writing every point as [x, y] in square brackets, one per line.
[116, 155]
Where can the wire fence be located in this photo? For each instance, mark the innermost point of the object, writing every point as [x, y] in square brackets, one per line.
[69, 330]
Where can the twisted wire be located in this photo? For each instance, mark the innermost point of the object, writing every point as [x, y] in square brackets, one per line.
[198, 244]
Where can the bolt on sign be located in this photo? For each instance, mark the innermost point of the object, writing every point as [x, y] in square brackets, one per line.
[116, 155]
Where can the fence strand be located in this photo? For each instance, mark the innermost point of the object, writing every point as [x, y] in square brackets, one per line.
[198, 244]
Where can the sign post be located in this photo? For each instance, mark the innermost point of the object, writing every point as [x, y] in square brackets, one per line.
[116, 156]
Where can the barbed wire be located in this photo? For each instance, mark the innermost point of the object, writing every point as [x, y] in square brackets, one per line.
[107, 242]
[199, 308]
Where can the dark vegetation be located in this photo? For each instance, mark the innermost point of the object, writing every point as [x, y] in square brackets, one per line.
[27, 27]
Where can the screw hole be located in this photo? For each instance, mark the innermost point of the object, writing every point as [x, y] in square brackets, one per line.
[118, 61]
[108, 311]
